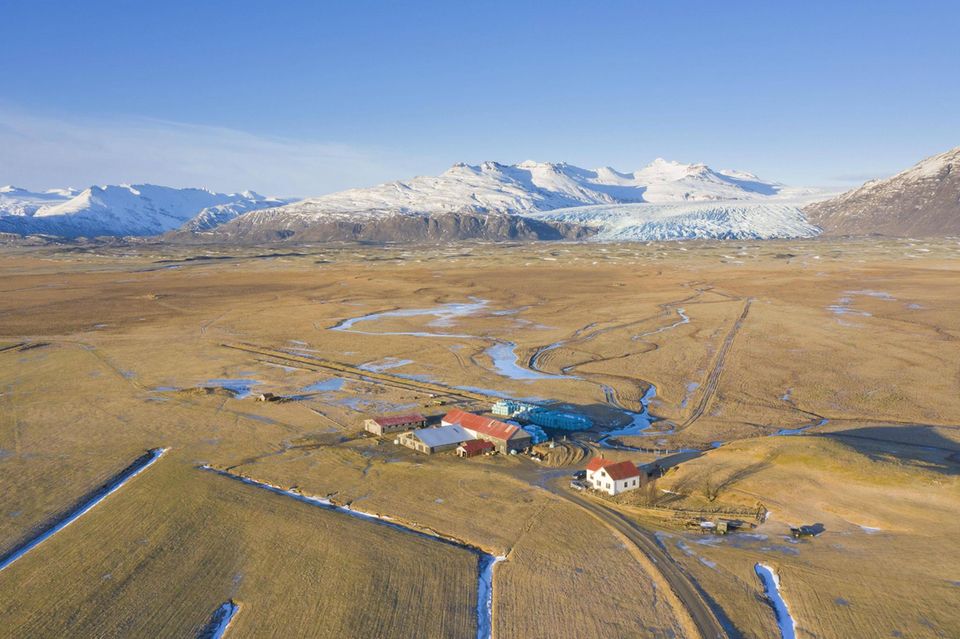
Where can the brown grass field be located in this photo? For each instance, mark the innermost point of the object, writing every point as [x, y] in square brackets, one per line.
[105, 352]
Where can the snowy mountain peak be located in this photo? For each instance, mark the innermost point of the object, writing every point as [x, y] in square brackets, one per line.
[20, 202]
[523, 189]
[121, 209]
[15, 191]
[465, 199]
[932, 167]
[670, 170]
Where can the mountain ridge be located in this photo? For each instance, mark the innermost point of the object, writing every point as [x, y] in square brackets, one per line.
[487, 201]
[921, 200]
[121, 210]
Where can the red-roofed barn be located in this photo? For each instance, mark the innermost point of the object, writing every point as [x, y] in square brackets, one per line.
[506, 437]
[475, 447]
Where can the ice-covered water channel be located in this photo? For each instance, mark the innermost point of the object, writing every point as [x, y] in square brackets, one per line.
[502, 353]
[680, 322]
[220, 623]
[112, 486]
[504, 357]
[445, 314]
[485, 560]
[640, 422]
[771, 583]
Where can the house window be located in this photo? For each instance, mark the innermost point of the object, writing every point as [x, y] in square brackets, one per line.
[608, 484]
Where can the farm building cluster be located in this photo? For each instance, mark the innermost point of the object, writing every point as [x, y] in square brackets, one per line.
[467, 433]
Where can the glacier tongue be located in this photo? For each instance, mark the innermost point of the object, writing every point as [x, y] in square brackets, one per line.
[738, 219]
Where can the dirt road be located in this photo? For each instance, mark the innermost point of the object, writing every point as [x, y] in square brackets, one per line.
[706, 622]
[710, 387]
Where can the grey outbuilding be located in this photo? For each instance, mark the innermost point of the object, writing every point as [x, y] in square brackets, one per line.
[435, 440]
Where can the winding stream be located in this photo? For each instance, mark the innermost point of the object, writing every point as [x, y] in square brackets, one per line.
[505, 361]
[504, 357]
[640, 422]
[445, 314]
[501, 352]
[485, 560]
[798, 431]
[683, 320]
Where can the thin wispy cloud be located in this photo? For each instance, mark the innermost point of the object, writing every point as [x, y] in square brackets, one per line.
[857, 178]
[41, 151]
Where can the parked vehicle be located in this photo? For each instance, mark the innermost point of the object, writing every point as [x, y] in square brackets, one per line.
[580, 474]
[577, 485]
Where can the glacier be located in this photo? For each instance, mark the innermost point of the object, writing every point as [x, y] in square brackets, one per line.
[720, 220]
[529, 187]
[664, 200]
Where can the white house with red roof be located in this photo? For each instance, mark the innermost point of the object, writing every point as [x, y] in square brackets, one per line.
[506, 437]
[612, 477]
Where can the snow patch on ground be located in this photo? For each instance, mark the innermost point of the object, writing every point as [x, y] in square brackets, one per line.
[116, 484]
[221, 620]
[486, 561]
[771, 583]
[485, 595]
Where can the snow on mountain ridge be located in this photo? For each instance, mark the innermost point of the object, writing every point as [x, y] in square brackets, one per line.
[16, 201]
[481, 200]
[137, 209]
[528, 187]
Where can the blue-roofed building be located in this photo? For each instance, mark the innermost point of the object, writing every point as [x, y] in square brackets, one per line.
[435, 440]
[527, 413]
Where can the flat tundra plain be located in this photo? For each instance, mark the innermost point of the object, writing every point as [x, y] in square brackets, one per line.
[817, 381]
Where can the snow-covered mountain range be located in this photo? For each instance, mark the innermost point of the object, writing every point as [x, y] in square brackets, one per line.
[530, 200]
[539, 201]
[923, 200]
[537, 186]
[17, 201]
[139, 209]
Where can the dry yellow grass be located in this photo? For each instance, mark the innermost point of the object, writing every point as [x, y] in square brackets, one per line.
[885, 562]
[471, 499]
[160, 555]
[567, 576]
[118, 326]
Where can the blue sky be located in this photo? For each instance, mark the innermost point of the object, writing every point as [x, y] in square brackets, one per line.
[302, 98]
